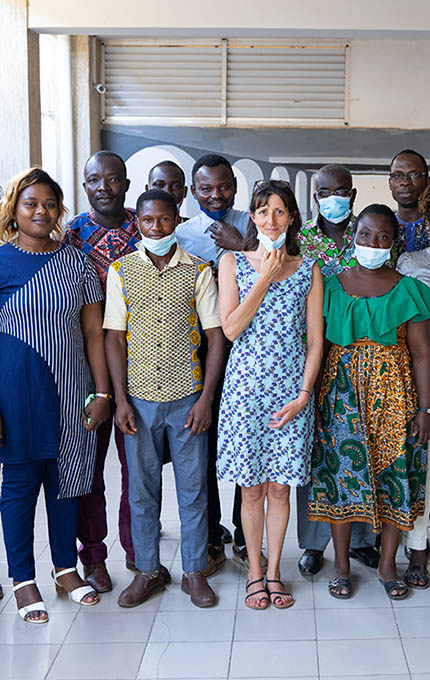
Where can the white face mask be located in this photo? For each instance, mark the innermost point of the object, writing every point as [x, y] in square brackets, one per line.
[268, 243]
[158, 246]
[371, 258]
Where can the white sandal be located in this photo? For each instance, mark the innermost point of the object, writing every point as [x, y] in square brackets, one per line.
[77, 594]
[34, 607]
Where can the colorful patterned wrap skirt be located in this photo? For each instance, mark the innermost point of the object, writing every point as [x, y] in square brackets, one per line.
[366, 465]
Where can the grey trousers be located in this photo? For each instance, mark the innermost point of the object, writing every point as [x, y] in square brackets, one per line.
[189, 455]
[316, 535]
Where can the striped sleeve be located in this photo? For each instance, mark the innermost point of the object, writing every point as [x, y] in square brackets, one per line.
[92, 290]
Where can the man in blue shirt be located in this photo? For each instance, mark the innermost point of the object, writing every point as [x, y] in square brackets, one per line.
[408, 180]
[218, 227]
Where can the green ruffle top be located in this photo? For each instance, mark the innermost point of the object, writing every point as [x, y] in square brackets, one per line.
[351, 318]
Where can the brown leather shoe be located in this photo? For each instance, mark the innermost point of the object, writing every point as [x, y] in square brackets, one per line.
[140, 589]
[97, 576]
[163, 571]
[216, 557]
[196, 585]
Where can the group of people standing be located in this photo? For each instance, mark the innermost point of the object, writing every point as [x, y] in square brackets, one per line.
[237, 344]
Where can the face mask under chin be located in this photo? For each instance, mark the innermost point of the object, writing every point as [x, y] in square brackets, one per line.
[159, 246]
[268, 243]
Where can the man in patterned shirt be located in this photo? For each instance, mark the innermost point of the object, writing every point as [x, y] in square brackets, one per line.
[105, 232]
[330, 240]
[156, 298]
[408, 180]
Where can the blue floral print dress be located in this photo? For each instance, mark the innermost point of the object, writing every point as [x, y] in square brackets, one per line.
[265, 372]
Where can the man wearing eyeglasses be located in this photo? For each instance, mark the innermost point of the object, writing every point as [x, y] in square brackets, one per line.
[329, 239]
[408, 179]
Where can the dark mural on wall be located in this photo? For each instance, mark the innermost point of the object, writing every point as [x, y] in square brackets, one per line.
[298, 151]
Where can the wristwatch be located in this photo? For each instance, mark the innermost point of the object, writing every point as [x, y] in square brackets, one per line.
[426, 410]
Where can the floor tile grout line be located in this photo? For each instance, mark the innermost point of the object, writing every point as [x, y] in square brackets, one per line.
[316, 630]
[234, 626]
[401, 640]
[60, 647]
[145, 647]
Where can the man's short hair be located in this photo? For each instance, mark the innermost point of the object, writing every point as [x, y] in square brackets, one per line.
[167, 164]
[411, 152]
[156, 195]
[105, 153]
[211, 160]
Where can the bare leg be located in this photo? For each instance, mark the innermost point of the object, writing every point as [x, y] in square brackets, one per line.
[253, 498]
[389, 543]
[278, 513]
[341, 534]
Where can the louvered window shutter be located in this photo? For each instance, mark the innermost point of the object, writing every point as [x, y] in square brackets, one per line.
[223, 82]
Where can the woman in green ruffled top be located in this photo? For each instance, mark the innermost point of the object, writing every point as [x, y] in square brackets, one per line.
[369, 459]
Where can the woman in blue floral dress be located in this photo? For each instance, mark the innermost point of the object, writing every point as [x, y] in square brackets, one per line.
[269, 297]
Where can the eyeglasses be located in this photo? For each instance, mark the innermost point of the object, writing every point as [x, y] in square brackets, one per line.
[325, 193]
[408, 176]
[269, 183]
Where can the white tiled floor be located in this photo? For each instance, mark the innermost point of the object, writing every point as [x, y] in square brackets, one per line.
[367, 637]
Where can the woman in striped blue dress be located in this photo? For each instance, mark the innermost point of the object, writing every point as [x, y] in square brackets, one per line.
[50, 324]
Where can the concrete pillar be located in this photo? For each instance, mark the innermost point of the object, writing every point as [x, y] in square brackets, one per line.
[86, 108]
[20, 135]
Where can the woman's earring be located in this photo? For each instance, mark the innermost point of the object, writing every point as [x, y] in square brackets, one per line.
[15, 226]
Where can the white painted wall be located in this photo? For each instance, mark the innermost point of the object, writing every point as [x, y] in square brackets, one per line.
[390, 83]
[372, 189]
[305, 16]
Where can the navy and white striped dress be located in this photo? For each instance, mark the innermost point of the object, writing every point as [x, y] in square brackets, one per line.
[44, 374]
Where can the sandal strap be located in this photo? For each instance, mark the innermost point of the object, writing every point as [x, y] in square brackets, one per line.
[279, 593]
[31, 582]
[339, 582]
[34, 607]
[274, 580]
[397, 585]
[252, 583]
[63, 572]
[78, 594]
[256, 593]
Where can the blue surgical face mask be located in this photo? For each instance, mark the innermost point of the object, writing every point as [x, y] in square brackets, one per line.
[268, 243]
[371, 258]
[158, 246]
[335, 208]
[216, 214]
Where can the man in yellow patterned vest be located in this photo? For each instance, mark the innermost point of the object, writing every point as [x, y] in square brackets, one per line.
[157, 299]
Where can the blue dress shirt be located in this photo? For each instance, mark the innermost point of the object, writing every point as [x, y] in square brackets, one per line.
[194, 235]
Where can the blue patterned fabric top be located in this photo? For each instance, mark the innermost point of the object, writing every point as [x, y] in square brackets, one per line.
[45, 375]
[265, 372]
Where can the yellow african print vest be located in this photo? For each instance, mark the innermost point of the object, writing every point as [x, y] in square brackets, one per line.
[162, 328]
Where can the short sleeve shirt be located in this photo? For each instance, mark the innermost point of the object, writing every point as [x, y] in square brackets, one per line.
[315, 244]
[103, 246]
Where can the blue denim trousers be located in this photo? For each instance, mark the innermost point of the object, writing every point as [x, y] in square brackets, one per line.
[189, 455]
